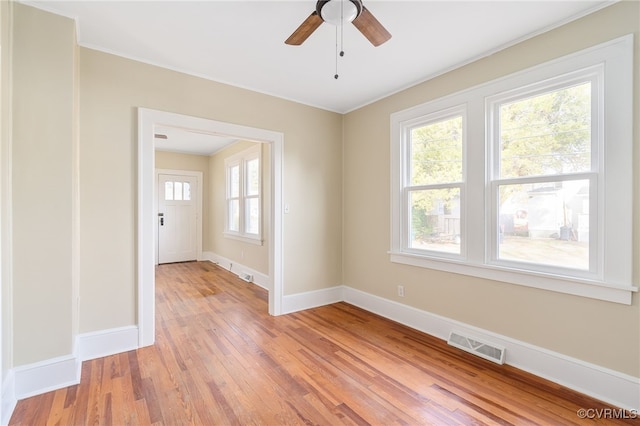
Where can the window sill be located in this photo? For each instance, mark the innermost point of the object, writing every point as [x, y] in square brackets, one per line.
[245, 239]
[579, 287]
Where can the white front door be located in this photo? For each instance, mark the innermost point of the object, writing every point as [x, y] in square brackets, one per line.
[177, 217]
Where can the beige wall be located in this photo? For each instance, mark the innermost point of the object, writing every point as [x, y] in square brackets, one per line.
[111, 88]
[6, 35]
[44, 85]
[607, 334]
[253, 256]
[195, 163]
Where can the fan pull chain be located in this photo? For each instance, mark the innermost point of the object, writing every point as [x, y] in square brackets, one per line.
[341, 37]
[342, 28]
[336, 74]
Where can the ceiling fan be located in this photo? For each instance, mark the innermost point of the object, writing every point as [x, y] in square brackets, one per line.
[338, 12]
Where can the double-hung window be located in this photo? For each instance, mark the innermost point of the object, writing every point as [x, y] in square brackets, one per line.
[526, 179]
[545, 175]
[243, 196]
[433, 182]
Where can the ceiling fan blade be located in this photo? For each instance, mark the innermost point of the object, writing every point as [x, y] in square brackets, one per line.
[305, 29]
[371, 28]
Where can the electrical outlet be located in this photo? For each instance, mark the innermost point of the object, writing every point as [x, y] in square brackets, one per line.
[401, 290]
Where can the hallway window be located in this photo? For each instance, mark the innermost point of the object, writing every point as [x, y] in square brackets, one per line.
[244, 196]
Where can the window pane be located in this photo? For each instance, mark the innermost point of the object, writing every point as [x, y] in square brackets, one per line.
[253, 177]
[435, 220]
[436, 152]
[168, 191]
[545, 223]
[186, 191]
[547, 134]
[234, 215]
[253, 215]
[177, 188]
[234, 181]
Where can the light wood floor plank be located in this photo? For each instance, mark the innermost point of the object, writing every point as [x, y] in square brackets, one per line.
[221, 359]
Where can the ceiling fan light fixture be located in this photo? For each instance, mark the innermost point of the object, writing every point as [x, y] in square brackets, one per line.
[338, 12]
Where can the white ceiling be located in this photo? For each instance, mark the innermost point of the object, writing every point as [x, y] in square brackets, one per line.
[242, 42]
[188, 141]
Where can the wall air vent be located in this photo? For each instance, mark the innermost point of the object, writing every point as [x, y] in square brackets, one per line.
[477, 347]
[247, 277]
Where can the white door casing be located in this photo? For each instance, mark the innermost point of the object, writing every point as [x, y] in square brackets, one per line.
[179, 217]
[147, 214]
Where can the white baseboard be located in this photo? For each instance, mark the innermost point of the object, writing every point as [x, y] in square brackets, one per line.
[259, 278]
[56, 373]
[312, 299]
[607, 385]
[107, 342]
[9, 399]
[44, 376]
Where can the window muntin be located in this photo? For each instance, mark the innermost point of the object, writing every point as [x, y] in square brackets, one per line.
[244, 207]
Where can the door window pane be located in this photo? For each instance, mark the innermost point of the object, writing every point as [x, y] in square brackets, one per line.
[435, 220]
[546, 134]
[545, 223]
[186, 191]
[177, 191]
[168, 191]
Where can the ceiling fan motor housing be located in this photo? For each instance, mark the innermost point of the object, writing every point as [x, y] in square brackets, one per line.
[332, 13]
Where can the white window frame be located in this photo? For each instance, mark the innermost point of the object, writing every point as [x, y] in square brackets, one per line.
[425, 120]
[610, 277]
[241, 159]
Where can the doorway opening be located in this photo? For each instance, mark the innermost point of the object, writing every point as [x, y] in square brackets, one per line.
[148, 120]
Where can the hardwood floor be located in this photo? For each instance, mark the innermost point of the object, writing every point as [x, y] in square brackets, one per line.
[221, 359]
